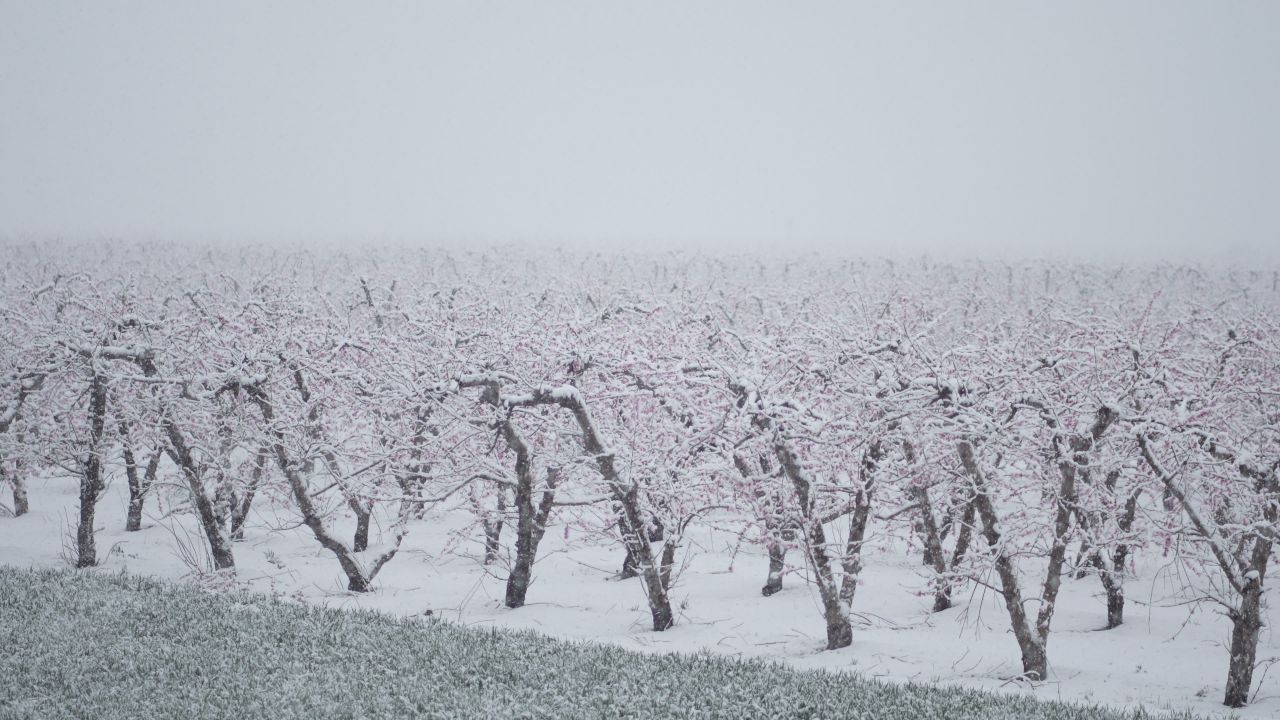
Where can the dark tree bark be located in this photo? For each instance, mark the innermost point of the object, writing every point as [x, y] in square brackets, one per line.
[1115, 595]
[493, 529]
[835, 610]
[360, 542]
[27, 384]
[934, 550]
[1246, 624]
[1032, 640]
[934, 554]
[91, 480]
[1244, 573]
[531, 519]
[918, 527]
[628, 570]
[357, 579]
[240, 506]
[131, 474]
[655, 533]
[224, 487]
[852, 561]
[180, 453]
[638, 548]
[139, 484]
[775, 523]
[668, 563]
[777, 564]
[359, 575]
[1111, 567]
[632, 517]
[362, 511]
[531, 523]
[628, 498]
[21, 504]
[1075, 467]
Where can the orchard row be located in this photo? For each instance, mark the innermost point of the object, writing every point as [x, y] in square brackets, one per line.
[1016, 421]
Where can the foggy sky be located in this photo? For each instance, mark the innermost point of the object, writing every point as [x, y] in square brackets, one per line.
[1075, 128]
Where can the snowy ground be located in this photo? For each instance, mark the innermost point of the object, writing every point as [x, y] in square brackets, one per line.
[1168, 655]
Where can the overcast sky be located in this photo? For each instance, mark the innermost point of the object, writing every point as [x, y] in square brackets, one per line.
[1085, 128]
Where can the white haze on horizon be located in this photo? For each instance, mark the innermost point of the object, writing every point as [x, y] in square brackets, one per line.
[1138, 130]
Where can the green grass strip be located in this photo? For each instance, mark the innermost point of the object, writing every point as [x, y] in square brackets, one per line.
[85, 645]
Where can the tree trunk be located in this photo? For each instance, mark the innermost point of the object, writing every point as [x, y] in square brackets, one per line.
[1078, 465]
[1110, 570]
[777, 562]
[1085, 556]
[363, 510]
[1035, 662]
[927, 527]
[1113, 576]
[629, 567]
[628, 570]
[632, 518]
[360, 542]
[775, 523]
[965, 535]
[224, 493]
[219, 545]
[852, 562]
[1246, 618]
[668, 562]
[834, 610]
[91, 480]
[86, 553]
[638, 548]
[1246, 622]
[631, 515]
[926, 553]
[28, 384]
[492, 530]
[133, 521]
[1115, 599]
[240, 510]
[21, 506]
[1033, 640]
[933, 550]
[521, 574]
[839, 630]
[181, 455]
[531, 523]
[358, 578]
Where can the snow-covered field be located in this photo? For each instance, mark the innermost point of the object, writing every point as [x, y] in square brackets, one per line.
[1167, 656]
[1023, 421]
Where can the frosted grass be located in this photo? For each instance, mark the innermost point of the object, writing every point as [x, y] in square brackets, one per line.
[111, 646]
